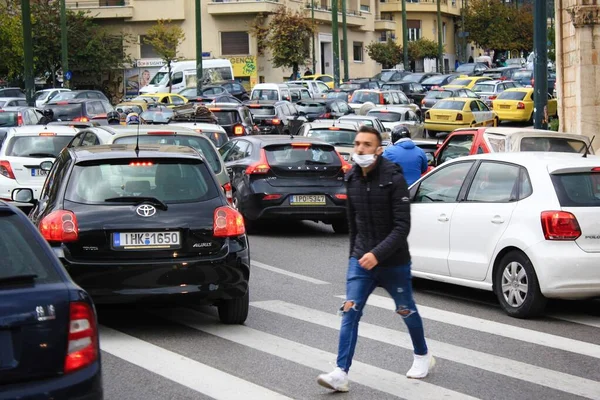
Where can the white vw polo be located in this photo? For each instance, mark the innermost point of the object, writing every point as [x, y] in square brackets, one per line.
[22, 153]
[524, 225]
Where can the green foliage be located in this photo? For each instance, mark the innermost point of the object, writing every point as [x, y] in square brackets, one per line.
[165, 38]
[494, 24]
[388, 54]
[285, 35]
[422, 48]
[552, 47]
[554, 125]
[11, 45]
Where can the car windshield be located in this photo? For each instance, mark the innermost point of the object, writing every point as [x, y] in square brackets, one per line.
[338, 137]
[386, 116]
[385, 75]
[465, 68]
[188, 92]
[22, 254]
[307, 107]
[37, 146]
[8, 119]
[169, 181]
[265, 94]
[438, 94]
[460, 82]
[364, 97]
[158, 78]
[226, 117]
[506, 95]
[521, 75]
[199, 143]
[413, 78]
[577, 189]
[262, 111]
[553, 144]
[483, 88]
[449, 105]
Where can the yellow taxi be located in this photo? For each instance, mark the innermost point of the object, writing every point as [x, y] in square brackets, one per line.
[459, 112]
[466, 82]
[517, 105]
[170, 99]
[326, 79]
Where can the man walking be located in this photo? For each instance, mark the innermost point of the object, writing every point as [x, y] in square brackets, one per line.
[406, 154]
[379, 222]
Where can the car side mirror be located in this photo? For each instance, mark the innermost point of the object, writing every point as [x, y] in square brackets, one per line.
[22, 196]
[46, 165]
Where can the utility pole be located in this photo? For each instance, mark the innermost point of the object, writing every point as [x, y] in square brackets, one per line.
[405, 37]
[336, 43]
[314, 51]
[64, 44]
[199, 71]
[345, 40]
[27, 51]
[540, 72]
[440, 43]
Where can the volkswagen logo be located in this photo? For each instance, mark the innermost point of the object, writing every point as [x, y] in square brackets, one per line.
[146, 210]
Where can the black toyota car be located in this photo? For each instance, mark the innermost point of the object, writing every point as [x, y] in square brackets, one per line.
[148, 225]
[283, 177]
[48, 327]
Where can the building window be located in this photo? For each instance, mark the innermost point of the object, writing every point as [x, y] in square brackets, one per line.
[235, 43]
[414, 29]
[146, 50]
[358, 51]
[443, 32]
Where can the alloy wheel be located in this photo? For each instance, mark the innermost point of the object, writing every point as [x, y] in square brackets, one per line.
[515, 284]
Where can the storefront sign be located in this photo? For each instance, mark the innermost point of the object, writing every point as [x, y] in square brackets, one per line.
[149, 62]
[245, 70]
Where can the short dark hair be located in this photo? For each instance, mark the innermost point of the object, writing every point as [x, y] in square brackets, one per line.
[370, 129]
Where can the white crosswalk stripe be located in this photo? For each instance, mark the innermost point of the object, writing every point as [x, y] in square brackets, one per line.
[588, 320]
[553, 379]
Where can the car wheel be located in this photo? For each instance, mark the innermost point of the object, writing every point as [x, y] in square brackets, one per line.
[517, 287]
[340, 226]
[234, 311]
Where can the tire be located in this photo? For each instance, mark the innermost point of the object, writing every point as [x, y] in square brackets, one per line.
[234, 311]
[522, 297]
[340, 226]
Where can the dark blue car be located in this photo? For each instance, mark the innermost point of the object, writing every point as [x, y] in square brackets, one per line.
[48, 327]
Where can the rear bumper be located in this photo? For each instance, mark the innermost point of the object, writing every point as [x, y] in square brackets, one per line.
[81, 385]
[444, 126]
[515, 116]
[191, 280]
[8, 185]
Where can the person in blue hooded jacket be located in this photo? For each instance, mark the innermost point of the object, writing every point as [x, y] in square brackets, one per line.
[406, 154]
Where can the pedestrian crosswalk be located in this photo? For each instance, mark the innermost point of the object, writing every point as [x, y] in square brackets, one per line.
[534, 381]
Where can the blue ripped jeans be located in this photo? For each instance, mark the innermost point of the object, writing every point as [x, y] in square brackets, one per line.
[360, 283]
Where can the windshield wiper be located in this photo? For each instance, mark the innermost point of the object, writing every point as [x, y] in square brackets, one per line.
[41, 155]
[24, 278]
[139, 200]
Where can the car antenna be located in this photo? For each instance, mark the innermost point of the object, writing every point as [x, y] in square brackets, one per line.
[137, 140]
[587, 148]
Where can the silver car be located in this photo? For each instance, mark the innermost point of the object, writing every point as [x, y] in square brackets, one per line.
[489, 90]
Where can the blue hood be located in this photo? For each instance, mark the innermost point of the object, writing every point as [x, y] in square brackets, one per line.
[406, 144]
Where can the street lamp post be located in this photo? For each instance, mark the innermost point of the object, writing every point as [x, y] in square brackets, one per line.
[27, 50]
[540, 73]
[199, 72]
[440, 43]
[314, 51]
[404, 37]
[345, 40]
[64, 44]
[336, 43]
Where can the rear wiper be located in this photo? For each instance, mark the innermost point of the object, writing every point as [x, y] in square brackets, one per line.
[41, 155]
[138, 200]
[342, 144]
[311, 162]
[25, 278]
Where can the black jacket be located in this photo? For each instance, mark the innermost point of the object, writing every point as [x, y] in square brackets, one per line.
[379, 213]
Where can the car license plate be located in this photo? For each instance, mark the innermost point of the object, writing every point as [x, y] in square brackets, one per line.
[307, 200]
[443, 117]
[38, 172]
[146, 240]
[504, 107]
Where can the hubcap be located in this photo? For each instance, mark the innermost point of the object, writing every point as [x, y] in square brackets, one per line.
[514, 284]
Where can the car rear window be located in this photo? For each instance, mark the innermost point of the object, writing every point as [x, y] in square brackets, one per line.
[37, 146]
[156, 117]
[226, 117]
[364, 97]
[577, 189]
[168, 180]
[21, 252]
[337, 95]
[553, 144]
[506, 95]
[341, 137]
[449, 105]
[415, 78]
[350, 86]
[199, 143]
[519, 75]
[8, 119]
[480, 87]
[262, 111]
[438, 94]
[66, 112]
[460, 82]
[265, 94]
[287, 155]
[310, 107]
[386, 116]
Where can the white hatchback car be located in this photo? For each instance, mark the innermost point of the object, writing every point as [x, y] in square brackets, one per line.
[23, 151]
[524, 225]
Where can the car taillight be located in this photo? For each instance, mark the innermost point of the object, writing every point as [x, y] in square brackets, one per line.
[228, 192]
[260, 167]
[272, 197]
[275, 121]
[427, 115]
[82, 347]
[520, 105]
[19, 119]
[346, 166]
[6, 170]
[560, 225]
[459, 117]
[492, 97]
[423, 102]
[325, 115]
[81, 119]
[341, 196]
[238, 130]
[228, 222]
[60, 226]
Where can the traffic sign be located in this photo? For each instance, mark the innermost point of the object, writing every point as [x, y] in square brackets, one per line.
[68, 75]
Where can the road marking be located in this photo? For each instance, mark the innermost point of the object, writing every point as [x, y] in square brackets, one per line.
[499, 365]
[364, 374]
[288, 273]
[588, 320]
[495, 328]
[187, 372]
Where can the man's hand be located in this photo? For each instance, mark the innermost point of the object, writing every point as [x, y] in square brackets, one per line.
[368, 261]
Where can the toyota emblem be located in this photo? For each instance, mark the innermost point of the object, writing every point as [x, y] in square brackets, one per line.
[146, 210]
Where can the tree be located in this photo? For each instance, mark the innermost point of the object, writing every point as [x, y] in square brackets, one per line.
[388, 54]
[165, 39]
[492, 24]
[422, 48]
[552, 41]
[11, 45]
[286, 35]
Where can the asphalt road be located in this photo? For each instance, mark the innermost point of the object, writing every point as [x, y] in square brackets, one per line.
[292, 332]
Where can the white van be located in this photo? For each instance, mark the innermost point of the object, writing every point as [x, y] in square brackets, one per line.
[279, 91]
[183, 74]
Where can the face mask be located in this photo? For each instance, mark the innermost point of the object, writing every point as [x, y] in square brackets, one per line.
[363, 160]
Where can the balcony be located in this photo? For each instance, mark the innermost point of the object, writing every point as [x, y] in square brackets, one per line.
[103, 9]
[237, 7]
[385, 23]
[448, 7]
[354, 18]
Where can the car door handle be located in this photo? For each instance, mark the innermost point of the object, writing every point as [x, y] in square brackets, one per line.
[443, 218]
[497, 220]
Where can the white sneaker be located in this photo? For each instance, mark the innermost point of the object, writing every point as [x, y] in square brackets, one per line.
[336, 380]
[421, 366]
